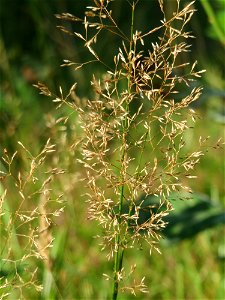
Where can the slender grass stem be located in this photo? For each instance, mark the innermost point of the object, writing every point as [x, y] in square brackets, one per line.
[118, 261]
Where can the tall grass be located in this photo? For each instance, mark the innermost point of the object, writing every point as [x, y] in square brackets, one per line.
[133, 129]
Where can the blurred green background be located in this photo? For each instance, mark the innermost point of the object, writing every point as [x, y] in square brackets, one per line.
[32, 49]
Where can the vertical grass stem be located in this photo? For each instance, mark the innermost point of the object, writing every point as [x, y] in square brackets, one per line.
[118, 260]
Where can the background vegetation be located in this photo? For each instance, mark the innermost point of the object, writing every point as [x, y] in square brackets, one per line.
[191, 265]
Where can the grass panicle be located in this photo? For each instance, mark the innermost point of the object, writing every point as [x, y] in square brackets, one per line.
[134, 126]
[26, 236]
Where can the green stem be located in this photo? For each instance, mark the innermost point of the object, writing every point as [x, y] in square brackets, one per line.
[119, 254]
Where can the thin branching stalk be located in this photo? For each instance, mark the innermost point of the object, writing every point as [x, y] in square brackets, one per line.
[118, 259]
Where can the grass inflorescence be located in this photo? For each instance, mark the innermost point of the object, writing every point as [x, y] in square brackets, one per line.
[133, 128]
